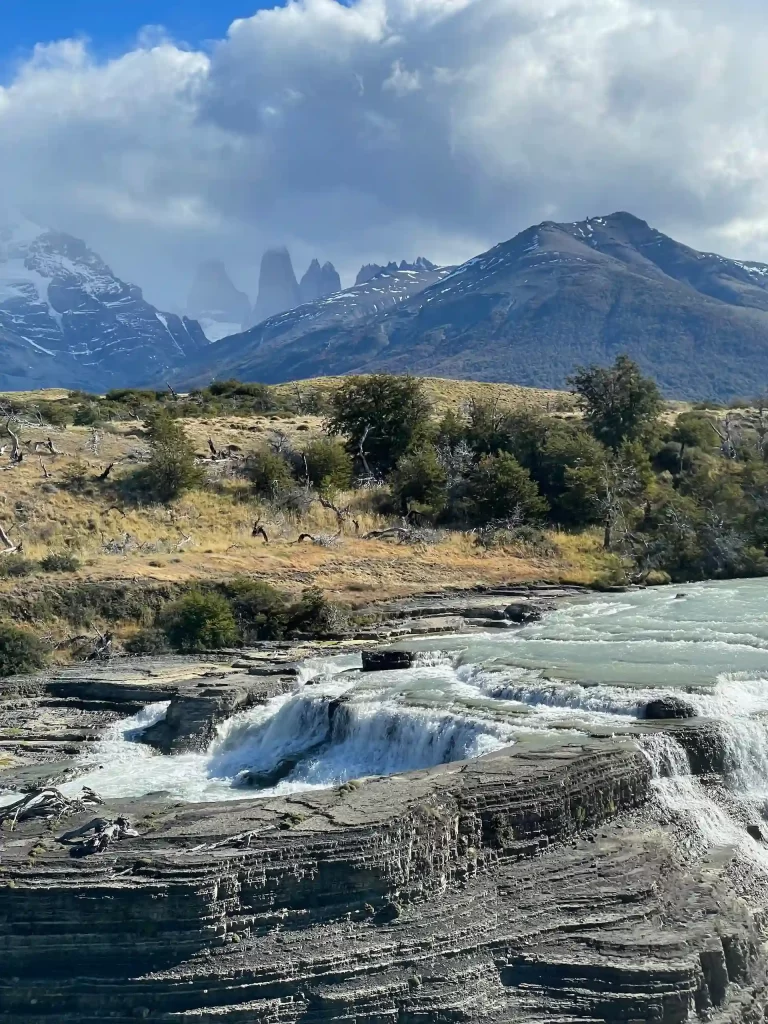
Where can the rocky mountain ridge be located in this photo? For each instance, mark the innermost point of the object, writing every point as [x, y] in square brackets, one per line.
[531, 309]
[66, 320]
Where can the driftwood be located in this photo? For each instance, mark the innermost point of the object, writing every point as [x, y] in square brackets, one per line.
[46, 474]
[173, 393]
[113, 508]
[45, 803]
[342, 514]
[391, 531]
[10, 547]
[103, 476]
[104, 831]
[259, 531]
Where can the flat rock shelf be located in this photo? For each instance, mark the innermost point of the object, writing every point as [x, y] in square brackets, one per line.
[555, 875]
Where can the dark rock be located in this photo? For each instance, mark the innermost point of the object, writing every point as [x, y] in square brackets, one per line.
[756, 832]
[522, 612]
[319, 281]
[387, 661]
[278, 287]
[668, 708]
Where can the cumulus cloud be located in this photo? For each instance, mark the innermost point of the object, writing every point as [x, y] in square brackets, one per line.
[378, 129]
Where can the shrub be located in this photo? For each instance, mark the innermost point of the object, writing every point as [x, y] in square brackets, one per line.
[63, 561]
[498, 487]
[328, 465]
[200, 621]
[260, 611]
[172, 469]
[420, 481]
[20, 651]
[148, 641]
[269, 473]
[313, 613]
[17, 565]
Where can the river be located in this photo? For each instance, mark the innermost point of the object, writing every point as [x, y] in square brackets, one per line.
[588, 668]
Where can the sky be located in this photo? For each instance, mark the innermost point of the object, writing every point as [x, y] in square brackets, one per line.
[165, 133]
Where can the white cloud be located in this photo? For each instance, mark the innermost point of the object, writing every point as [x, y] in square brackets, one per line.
[386, 128]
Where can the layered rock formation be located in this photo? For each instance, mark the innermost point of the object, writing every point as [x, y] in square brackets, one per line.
[215, 302]
[539, 883]
[318, 282]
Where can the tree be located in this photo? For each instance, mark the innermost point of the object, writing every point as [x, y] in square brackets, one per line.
[328, 465]
[499, 486]
[172, 469]
[380, 417]
[619, 403]
[199, 622]
[420, 479]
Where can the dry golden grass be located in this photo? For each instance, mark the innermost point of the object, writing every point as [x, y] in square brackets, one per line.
[207, 534]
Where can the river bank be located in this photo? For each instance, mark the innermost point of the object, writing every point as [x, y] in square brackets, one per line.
[546, 845]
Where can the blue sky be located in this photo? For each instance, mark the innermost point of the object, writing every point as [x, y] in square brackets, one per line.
[113, 24]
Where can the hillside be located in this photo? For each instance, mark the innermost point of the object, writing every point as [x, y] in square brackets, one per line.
[531, 309]
[52, 503]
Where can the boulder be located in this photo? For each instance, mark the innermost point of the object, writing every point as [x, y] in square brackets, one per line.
[387, 661]
[756, 832]
[668, 707]
[522, 612]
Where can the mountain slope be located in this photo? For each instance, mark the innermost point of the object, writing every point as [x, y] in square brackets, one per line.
[531, 309]
[278, 334]
[67, 321]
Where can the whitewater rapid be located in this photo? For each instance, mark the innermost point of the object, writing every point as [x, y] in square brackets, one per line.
[589, 668]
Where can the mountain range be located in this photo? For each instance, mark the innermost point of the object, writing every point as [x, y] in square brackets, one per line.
[526, 311]
[531, 309]
[66, 320]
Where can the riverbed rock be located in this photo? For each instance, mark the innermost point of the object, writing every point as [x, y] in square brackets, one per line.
[494, 890]
[387, 661]
[522, 612]
[668, 707]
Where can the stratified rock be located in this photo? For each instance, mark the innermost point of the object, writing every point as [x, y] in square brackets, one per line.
[215, 302]
[278, 287]
[318, 282]
[669, 707]
[387, 661]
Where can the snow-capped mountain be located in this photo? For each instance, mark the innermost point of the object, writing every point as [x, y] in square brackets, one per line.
[66, 320]
[533, 308]
[263, 343]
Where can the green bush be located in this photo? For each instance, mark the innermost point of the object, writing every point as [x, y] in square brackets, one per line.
[498, 487]
[260, 610]
[20, 651]
[269, 473]
[383, 414]
[172, 469]
[17, 565]
[328, 465]
[200, 621]
[148, 641]
[63, 561]
[420, 481]
[313, 613]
